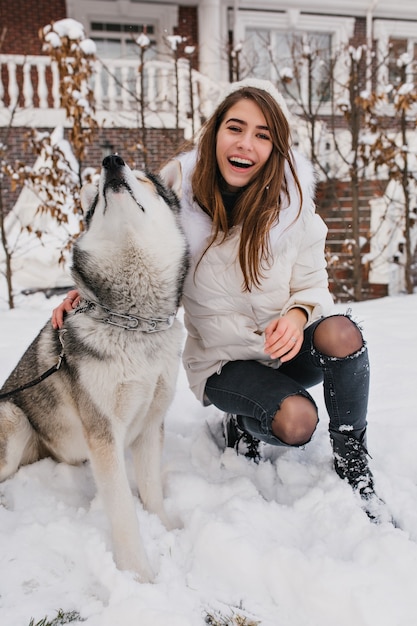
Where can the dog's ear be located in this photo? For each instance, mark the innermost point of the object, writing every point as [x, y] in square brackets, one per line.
[171, 174]
[87, 194]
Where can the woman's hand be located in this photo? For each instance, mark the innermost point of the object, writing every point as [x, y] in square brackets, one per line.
[71, 301]
[284, 336]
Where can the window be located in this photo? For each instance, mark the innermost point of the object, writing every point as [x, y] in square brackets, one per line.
[395, 38]
[301, 61]
[396, 49]
[114, 26]
[292, 48]
[118, 41]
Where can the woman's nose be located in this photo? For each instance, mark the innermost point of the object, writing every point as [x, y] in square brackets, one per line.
[245, 141]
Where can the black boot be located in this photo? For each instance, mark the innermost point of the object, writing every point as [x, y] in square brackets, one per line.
[239, 439]
[351, 464]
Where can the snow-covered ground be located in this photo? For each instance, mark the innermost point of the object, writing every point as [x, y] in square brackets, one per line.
[284, 543]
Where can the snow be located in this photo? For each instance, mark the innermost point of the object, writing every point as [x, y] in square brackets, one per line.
[66, 27]
[284, 543]
[73, 30]
[88, 46]
[174, 41]
[143, 41]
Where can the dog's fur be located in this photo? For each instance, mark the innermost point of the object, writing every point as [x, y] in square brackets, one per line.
[114, 385]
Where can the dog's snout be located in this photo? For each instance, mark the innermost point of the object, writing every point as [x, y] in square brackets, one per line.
[114, 174]
[113, 162]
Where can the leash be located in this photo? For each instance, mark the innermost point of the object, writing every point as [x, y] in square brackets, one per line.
[40, 378]
[123, 320]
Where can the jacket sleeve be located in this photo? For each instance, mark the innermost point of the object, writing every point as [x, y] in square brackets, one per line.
[309, 285]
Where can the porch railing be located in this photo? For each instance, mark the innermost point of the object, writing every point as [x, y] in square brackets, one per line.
[29, 92]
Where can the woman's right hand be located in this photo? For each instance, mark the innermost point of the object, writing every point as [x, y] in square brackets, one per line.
[71, 301]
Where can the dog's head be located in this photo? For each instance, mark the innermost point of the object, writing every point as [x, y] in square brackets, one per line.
[146, 189]
[133, 237]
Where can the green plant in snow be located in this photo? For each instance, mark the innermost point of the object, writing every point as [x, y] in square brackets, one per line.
[63, 617]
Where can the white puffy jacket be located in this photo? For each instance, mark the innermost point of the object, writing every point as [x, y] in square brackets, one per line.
[226, 324]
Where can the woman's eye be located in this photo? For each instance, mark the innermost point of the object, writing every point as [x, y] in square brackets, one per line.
[263, 136]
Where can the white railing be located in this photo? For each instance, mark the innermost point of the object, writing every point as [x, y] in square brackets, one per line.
[29, 87]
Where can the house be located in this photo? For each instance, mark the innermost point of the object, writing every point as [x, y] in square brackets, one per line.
[205, 44]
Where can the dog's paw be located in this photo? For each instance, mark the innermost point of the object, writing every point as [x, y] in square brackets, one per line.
[144, 577]
[141, 570]
[131, 557]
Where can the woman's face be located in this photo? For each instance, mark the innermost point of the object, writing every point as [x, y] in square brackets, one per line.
[243, 144]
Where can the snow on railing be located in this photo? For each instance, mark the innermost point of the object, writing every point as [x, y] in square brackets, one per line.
[32, 83]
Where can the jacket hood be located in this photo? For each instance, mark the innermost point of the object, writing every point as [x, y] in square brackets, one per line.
[258, 83]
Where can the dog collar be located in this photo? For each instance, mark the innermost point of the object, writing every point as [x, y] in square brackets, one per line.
[124, 320]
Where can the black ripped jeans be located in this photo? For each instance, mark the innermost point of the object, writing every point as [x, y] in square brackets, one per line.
[255, 392]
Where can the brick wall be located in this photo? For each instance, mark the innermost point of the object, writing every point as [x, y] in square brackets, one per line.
[334, 205]
[188, 28]
[20, 21]
[161, 145]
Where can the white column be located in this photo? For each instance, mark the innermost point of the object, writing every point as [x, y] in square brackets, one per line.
[212, 39]
[27, 86]
[13, 86]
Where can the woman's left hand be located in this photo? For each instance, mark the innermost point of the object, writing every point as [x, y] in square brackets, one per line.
[284, 336]
[71, 301]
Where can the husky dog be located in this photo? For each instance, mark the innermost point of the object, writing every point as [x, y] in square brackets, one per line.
[118, 353]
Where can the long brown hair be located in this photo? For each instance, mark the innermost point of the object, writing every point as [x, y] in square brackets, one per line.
[259, 205]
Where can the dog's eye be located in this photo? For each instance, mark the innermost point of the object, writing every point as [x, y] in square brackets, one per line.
[142, 177]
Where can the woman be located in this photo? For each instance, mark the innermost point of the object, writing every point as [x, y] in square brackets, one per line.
[256, 298]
